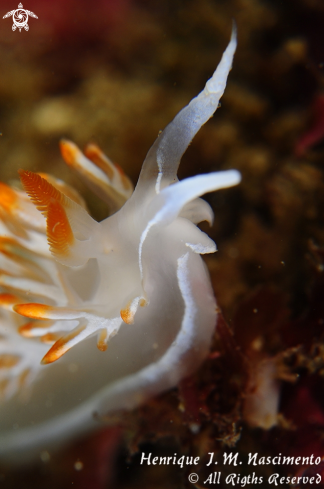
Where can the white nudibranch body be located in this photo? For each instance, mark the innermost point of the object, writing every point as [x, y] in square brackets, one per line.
[134, 282]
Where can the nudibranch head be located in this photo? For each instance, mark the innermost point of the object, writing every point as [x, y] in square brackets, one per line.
[134, 283]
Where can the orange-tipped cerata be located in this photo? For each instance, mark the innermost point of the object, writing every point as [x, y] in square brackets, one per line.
[33, 310]
[69, 152]
[7, 300]
[27, 330]
[8, 198]
[61, 346]
[50, 338]
[102, 340]
[94, 153]
[127, 316]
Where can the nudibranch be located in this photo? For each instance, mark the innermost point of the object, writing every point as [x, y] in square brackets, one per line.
[134, 282]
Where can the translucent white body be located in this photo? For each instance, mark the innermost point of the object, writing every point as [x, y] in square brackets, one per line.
[135, 282]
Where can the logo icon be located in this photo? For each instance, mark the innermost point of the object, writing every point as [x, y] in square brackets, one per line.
[20, 18]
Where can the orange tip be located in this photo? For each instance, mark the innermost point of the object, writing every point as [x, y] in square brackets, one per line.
[33, 310]
[62, 346]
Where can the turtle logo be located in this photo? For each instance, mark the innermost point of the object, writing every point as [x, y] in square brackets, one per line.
[20, 18]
